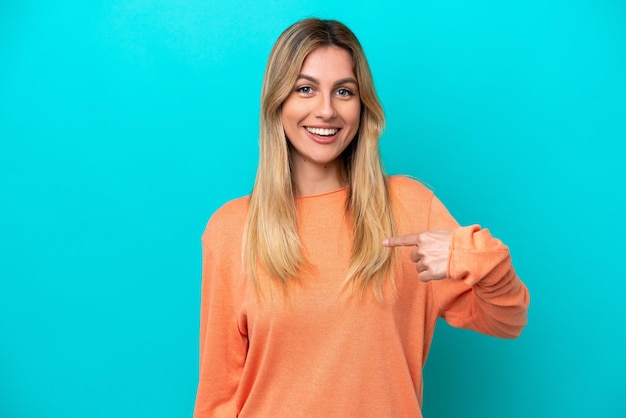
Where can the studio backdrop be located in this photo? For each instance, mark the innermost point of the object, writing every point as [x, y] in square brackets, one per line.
[125, 123]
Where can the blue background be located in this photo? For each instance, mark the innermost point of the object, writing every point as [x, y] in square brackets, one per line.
[125, 124]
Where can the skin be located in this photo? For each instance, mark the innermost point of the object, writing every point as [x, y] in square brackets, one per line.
[325, 95]
[431, 254]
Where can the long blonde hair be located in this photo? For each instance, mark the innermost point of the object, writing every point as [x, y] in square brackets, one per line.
[271, 237]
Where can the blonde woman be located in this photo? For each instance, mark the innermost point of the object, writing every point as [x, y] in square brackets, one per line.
[311, 302]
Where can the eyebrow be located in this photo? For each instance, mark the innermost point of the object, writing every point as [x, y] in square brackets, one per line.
[337, 83]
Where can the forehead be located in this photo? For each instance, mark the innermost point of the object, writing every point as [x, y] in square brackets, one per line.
[330, 61]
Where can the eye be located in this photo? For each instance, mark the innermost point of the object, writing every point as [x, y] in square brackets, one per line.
[344, 93]
[304, 90]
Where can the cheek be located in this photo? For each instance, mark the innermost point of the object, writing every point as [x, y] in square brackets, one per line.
[290, 113]
[286, 117]
[284, 113]
[355, 117]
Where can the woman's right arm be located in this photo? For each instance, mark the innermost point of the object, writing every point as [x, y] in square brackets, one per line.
[223, 345]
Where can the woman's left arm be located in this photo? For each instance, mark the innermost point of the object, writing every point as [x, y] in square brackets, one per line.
[473, 281]
[488, 296]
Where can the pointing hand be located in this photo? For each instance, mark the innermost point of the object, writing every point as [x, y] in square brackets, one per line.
[431, 254]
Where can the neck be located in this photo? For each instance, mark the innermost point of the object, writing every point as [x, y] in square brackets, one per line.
[311, 179]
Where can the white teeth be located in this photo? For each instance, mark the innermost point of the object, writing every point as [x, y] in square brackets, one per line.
[322, 131]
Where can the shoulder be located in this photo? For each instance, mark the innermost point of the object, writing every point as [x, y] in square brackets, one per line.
[411, 202]
[414, 201]
[229, 220]
[403, 188]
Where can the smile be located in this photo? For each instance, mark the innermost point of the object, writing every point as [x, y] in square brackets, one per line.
[322, 131]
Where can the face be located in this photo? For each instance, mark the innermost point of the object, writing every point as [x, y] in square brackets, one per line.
[321, 115]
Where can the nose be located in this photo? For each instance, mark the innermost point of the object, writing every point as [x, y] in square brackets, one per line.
[325, 107]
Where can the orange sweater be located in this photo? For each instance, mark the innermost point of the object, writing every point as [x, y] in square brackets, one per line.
[323, 352]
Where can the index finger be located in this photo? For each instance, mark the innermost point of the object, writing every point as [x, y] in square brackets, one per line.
[402, 241]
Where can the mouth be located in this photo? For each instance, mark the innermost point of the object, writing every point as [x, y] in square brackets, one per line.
[323, 132]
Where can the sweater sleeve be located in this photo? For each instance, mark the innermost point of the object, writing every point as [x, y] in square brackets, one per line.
[223, 345]
[482, 291]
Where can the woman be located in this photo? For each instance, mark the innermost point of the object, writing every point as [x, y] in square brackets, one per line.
[307, 309]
